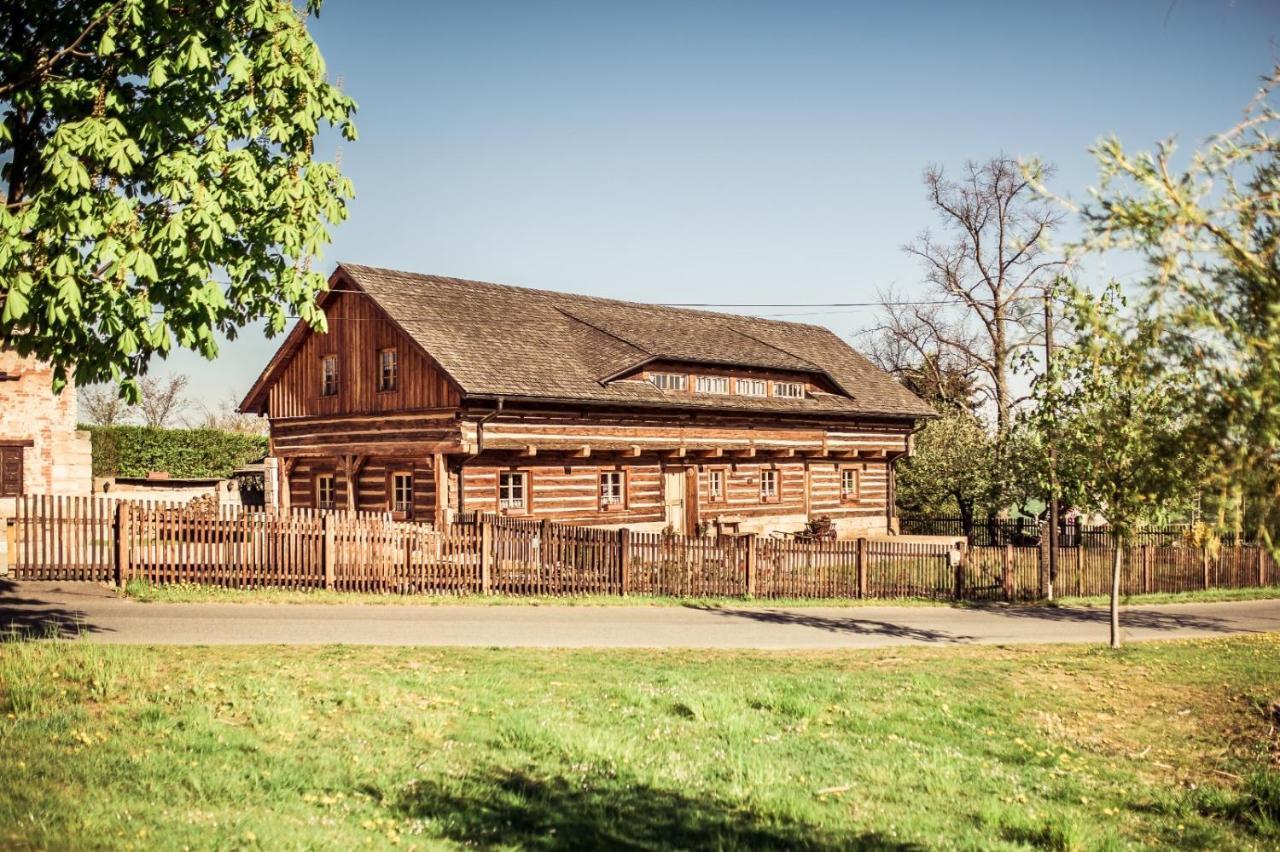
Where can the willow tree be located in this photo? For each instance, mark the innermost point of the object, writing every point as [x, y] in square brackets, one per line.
[1210, 235]
[161, 183]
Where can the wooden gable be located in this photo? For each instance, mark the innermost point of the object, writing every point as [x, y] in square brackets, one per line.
[358, 331]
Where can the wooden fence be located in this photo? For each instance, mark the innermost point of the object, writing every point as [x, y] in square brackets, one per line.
[98, 539]
[1028, 532]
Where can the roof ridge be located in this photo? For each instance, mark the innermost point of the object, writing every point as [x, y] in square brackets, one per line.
[560, 294]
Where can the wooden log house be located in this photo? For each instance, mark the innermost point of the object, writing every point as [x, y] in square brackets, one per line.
[433, 397]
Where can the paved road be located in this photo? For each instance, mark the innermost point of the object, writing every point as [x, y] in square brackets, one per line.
[94, 612]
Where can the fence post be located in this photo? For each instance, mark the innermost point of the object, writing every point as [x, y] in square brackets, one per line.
[960, 569]
[1204, 563]
[122, 535]
[486, 555]
[861, 562]
[752, 556]
[624, 559]
[1042, 570]
[1146, 568]
[544, 536]
[1079, 567]
[328, 553]
[1262, 576]
[1006, 571]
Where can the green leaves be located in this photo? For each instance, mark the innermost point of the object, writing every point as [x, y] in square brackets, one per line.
[169, 194]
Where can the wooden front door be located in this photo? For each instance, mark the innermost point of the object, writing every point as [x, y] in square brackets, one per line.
[10, 471]
[673, 498]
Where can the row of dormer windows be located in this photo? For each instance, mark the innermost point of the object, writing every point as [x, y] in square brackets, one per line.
[729, 385]
[387, 378]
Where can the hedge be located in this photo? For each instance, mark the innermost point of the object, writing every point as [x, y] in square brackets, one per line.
[135, 451]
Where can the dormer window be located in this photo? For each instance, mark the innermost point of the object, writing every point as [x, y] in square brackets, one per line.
[751, 387]
[789, 390]
[713, 384]
[669, 381]
[329, 375]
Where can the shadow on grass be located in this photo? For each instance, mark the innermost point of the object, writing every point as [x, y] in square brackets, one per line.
[513, 809]
[25, 613]
[837, 624]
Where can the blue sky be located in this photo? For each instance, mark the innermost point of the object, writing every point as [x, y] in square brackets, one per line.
[733, 152]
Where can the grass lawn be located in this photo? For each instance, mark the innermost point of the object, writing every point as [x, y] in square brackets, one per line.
[193, 593]
[1167, 744]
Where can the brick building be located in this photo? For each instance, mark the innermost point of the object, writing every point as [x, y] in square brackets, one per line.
[41, 451]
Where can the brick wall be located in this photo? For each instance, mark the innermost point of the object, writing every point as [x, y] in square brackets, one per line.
[59, 461]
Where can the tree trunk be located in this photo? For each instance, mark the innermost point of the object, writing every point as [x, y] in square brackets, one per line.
[1116, 564]
[966, 518]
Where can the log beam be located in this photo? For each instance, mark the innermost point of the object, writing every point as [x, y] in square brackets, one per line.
[582, 452]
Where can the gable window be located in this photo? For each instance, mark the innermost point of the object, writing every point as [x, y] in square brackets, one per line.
[613, 490]
[715, 486]
[388, 369]
[751, 387]
[769, 482]
[850, 482]
[329, 375]
[402, 494]
[669, 381]
[513, 491]
[789, 390]
[324, 491]
[713, 384]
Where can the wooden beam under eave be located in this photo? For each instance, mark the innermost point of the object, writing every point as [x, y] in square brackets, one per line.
[529, 450]
[633, 451]
[582, 452]
[878, 454]
[712, 453]
[745, 453]
[676, 453]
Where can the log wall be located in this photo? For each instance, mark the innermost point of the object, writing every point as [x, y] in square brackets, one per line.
[357, 330]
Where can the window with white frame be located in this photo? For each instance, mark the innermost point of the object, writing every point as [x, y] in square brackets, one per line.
[513, 491]
[849, 485]
[789, 390]
[713, 384]
[388, 369]
[324, 491]
[751, 387]
[613, 489]
[402, 493]
[329, 375]
[669, 381]
[715, 486]
[769, 486]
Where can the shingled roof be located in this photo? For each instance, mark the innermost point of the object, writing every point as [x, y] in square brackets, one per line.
[500, 341]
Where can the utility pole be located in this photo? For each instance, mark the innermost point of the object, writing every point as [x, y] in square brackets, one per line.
[1053, 448]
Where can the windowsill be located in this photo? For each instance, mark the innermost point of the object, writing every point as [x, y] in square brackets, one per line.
[386, 390]
[767, 500]
[613, 507]
[506, 513]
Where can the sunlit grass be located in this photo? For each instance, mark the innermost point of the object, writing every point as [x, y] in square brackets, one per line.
[338, 747]
[194, 593]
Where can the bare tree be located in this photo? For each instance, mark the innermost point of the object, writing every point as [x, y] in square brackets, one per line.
[991, 260]
[163, 399]
[927, 352]
[102, 405]
[226, 417]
